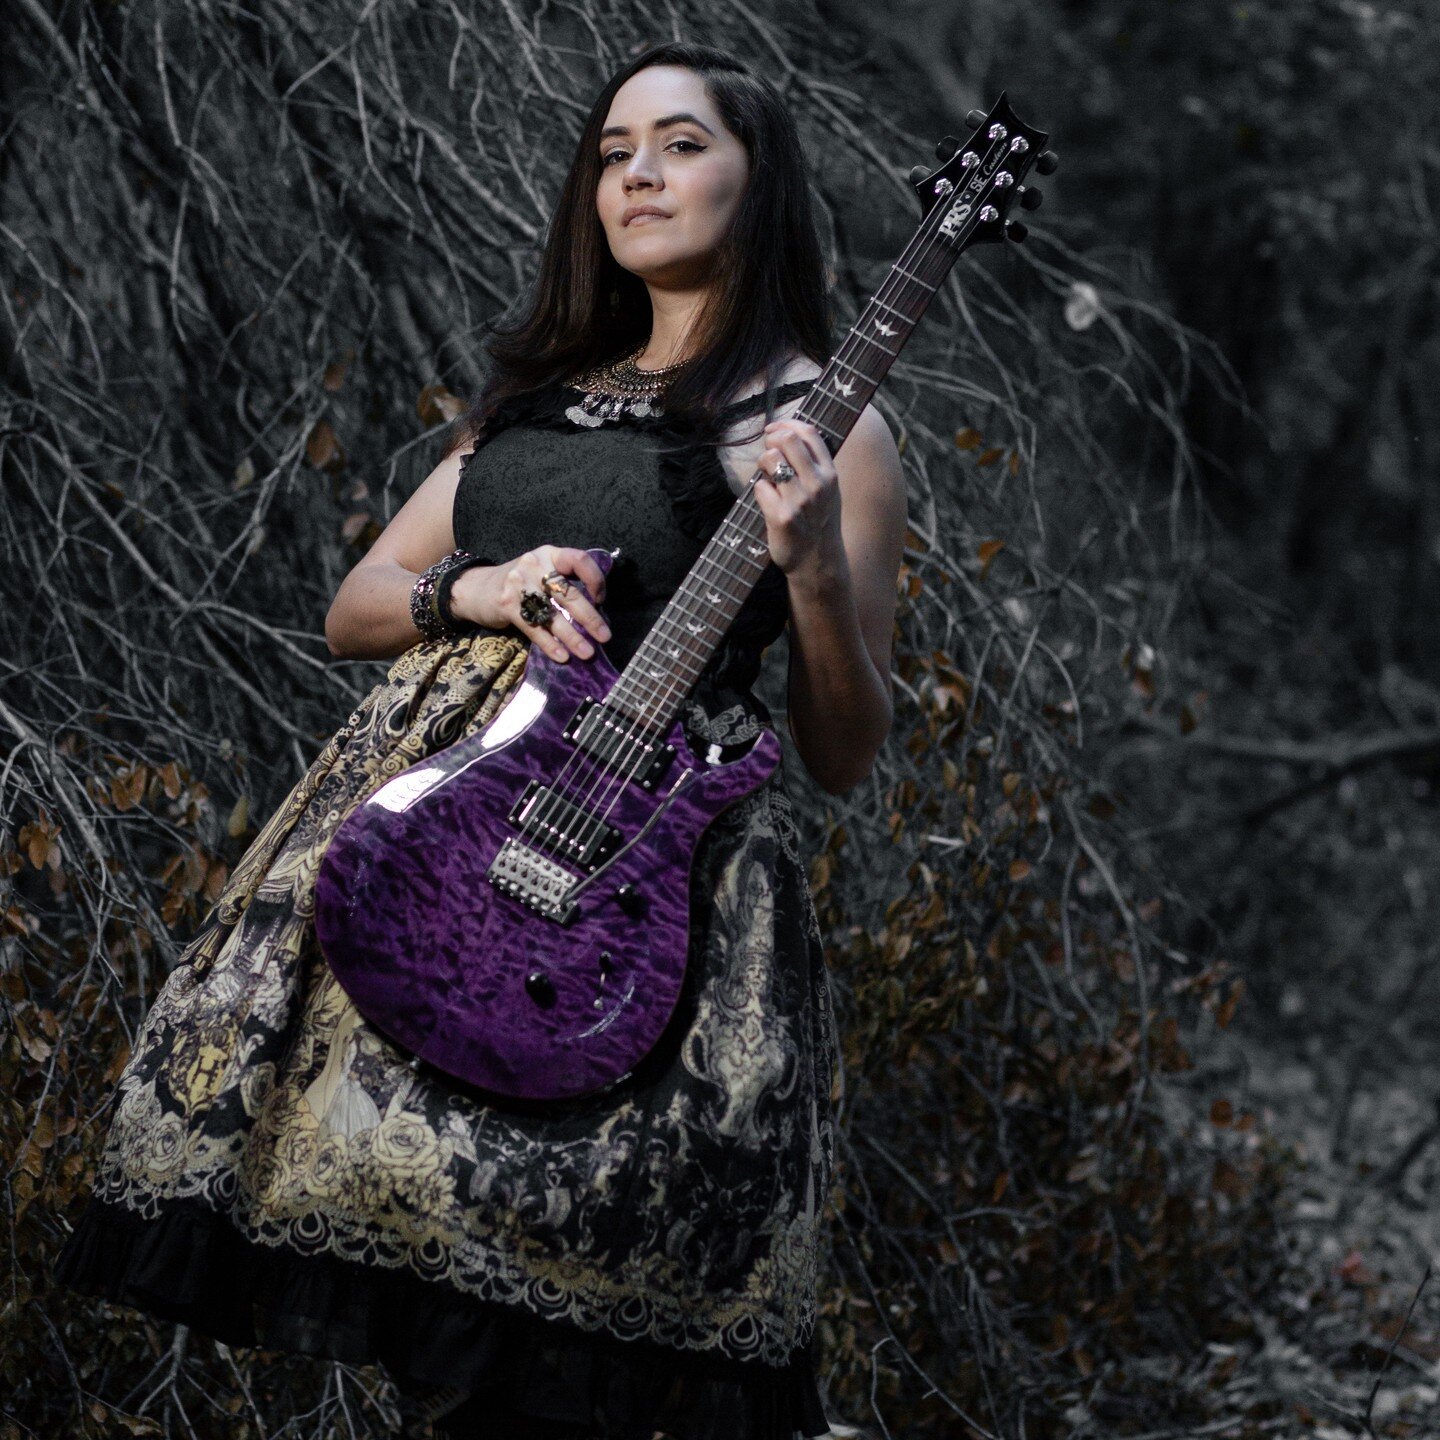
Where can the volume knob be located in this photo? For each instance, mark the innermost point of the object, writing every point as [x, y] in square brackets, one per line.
[540, 988]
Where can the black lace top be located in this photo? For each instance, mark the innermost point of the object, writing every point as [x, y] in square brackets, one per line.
[640, 484]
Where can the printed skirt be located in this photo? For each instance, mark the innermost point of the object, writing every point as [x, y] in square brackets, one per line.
[276, 1172]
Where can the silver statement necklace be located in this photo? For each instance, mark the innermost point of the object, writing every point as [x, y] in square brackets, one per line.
[618, 389]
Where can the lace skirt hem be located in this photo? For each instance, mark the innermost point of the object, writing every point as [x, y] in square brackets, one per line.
[485, 1369]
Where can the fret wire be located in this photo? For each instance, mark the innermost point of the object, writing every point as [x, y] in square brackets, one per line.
[909, 320]
[683, 628]
[734, 551]
[694, 615]
[915, 279]
[853, 409]
[682, 641]
[713, 586]
[854, 369]
[866, 339]
[679, 639]
[725, 574]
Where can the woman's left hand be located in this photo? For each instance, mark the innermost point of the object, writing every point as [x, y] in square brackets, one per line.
[802, 515]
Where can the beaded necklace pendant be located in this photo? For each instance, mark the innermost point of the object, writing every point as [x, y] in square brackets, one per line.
[611, 391]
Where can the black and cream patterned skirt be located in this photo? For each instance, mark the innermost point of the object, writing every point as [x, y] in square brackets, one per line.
[276, 1172]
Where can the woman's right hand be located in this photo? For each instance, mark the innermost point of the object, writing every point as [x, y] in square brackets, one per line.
[489, 595]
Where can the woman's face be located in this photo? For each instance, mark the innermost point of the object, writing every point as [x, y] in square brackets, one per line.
[692, 170]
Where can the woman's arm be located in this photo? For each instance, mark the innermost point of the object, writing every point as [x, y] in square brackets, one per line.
[369, 619]
[838, 531]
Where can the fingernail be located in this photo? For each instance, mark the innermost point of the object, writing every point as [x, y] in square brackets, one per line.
[586, 651]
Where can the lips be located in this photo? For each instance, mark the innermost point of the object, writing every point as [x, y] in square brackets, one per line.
[640, 214]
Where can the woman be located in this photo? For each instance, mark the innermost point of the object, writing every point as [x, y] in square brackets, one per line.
[644, 1260]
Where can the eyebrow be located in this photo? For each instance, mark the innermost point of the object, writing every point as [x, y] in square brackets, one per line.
[660, 124]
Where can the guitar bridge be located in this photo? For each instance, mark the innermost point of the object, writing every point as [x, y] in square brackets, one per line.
[533, 879]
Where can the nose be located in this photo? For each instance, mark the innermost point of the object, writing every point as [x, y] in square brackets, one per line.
[639, 170]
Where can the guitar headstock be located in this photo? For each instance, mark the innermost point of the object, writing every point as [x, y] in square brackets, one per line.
[979, 183]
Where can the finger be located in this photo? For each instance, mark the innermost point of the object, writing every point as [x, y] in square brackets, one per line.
[771, 458]
[574, 601]
[539, 636]
[807, 435]
[774, 504]
[570, 638]
[578, 611]
[569, 560]
[518, 580]
[588, 570]
[794, 448]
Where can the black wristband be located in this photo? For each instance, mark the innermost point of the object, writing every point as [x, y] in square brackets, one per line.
[443, 587]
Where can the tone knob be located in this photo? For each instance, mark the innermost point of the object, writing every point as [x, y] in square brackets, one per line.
[540, 988]
[632, 902]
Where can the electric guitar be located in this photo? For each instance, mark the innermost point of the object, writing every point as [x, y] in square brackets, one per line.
[515, 910]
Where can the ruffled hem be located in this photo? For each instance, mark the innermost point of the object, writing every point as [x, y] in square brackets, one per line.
[493, 1369]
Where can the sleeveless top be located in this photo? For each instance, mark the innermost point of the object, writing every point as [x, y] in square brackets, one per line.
[649, 490]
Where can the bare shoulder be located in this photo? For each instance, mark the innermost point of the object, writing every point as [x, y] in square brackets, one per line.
[869, 458]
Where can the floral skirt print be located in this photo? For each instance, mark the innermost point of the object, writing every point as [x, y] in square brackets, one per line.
[277, 1172]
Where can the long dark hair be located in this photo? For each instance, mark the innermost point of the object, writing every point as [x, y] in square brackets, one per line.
[770, 297]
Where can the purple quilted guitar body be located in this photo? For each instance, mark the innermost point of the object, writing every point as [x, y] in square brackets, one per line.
[431, 901]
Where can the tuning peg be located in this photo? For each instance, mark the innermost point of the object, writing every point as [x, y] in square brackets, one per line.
[1046, 162]
[1016, 230]
[918, 173]
[1029, 197]
[945, 148]
[974, 117]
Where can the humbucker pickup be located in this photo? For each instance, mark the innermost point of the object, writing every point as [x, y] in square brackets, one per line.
[617, 742]
[562, 826]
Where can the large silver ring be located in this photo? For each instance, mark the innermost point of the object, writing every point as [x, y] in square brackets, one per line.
[535, 609]
[785, 471]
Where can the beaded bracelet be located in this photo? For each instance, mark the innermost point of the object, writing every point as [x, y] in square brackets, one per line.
[433, 619]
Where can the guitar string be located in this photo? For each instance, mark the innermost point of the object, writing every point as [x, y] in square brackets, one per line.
[635, 739]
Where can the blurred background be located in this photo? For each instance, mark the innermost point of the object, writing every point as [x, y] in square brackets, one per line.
[1131, 931]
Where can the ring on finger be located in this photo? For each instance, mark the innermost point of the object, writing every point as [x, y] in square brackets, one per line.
[535, 609]
[785, 471]
[555, 583]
